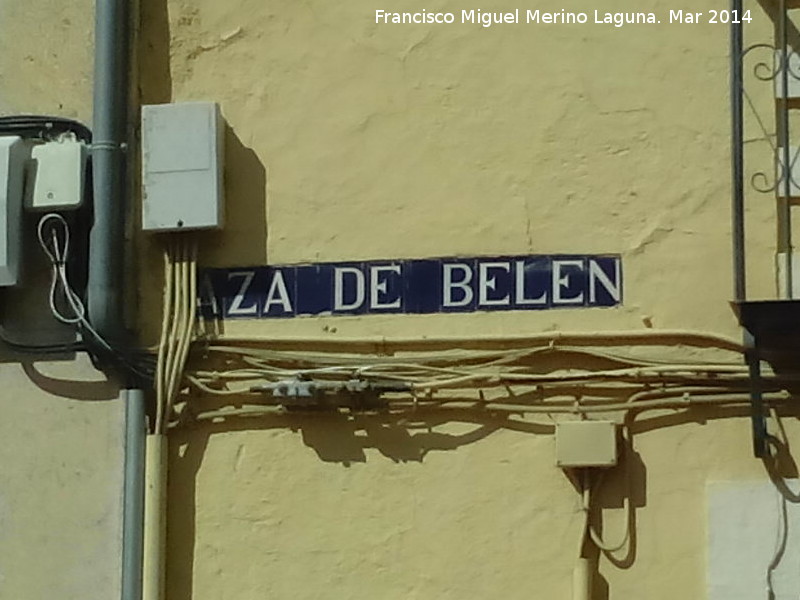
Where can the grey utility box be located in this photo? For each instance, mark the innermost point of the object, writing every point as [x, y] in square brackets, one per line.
[182, 166]
[586, 444]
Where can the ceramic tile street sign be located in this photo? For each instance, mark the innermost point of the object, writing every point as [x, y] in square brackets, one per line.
[439, 285]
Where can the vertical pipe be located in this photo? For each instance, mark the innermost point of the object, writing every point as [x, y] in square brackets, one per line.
[109, 166]
[155, 476]
[757, 416]
[737, 151]
[106, 242]
[582, 580]
[133, 495]
[785, 204]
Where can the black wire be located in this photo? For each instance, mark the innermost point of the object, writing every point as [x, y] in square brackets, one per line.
[26, 348]
[137, 365]
[43, 127]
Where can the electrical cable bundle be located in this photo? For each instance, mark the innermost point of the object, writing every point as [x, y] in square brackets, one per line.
[177, 326]
[43, 127]
[616, 377]
[427, 372]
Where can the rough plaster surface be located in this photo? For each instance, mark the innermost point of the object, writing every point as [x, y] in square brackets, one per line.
[350, 141]
[353, 141]
[46, 57]
[61, 484]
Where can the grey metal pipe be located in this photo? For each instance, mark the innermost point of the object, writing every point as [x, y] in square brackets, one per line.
[582, 579]
[785, 216]
[110, 124]
[737, 155]
[104, 288]
[133, 495]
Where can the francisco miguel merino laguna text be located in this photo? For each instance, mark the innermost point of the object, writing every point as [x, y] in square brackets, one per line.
[487, 19]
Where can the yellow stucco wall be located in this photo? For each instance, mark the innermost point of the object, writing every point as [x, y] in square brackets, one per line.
[349, 140]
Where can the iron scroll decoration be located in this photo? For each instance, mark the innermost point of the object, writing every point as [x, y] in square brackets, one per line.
[762, 70]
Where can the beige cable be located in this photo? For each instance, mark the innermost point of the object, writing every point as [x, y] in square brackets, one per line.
[162, 346]
[596, 538]
[564, 408]
[177, 314]
[189, 314]
[700, 339]
[180, 300]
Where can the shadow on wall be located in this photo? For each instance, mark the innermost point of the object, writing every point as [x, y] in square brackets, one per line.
[243, 240]
[771, 9]
[344, 438]
[92, 391]
[780, 463]
[154, 72]
[409, 437]
[336, 438]
[181, 509]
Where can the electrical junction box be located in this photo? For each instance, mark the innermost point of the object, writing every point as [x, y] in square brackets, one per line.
[586, 444]
[182, 162]
[56, 175]
[13, 157]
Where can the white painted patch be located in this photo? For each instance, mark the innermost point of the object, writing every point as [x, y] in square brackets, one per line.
[750, 527]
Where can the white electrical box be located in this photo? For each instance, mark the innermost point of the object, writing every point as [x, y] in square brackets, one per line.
[13, 157]
[56, 175]
[182, 166]
[586, 444]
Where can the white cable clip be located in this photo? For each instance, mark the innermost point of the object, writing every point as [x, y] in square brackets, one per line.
[104, 145]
